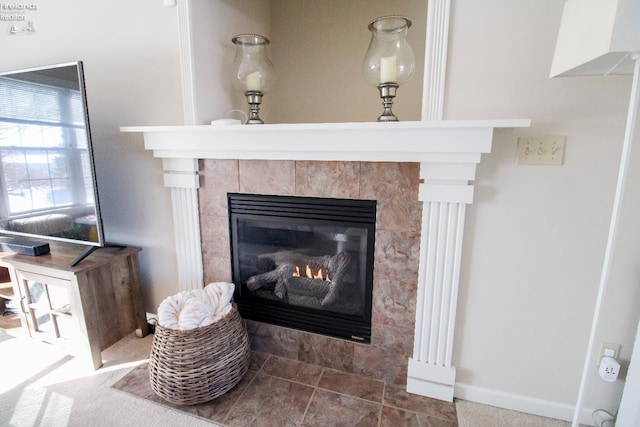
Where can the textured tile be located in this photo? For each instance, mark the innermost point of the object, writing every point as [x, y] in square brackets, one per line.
[336, 410]
[293, 370]
[395, 187]
[217, 178]
[262, 399]
[328, 179]
[217, 269]
[396, 256]
[394, 302]
[352, 385]
[257, 360]
[398, 397]
[219, 408]
[214, 236]
[270, 401]
[386, 358]
[273, 339]
[326, 351]
[267, 177]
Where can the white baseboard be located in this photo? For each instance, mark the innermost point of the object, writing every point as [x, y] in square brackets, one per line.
[514, 402]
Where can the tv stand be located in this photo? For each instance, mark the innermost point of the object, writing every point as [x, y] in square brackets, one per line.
[90, 250]
[86, 308]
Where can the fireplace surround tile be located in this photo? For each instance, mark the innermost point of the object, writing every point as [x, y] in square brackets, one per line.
[328, 179]
[394, 302]
[218, 178]
[396, 256]
[267, 177]
[217, 269]
[326, 351]
[386, 358]
[215, 236]
[273, 339]
[395, 187]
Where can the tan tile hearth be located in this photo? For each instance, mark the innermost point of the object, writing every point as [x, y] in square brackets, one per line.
[284, 392]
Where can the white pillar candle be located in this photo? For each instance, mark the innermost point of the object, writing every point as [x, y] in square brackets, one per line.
[388, 72]
[253, 81]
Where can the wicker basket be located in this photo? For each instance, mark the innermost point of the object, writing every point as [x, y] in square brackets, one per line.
[194, 366]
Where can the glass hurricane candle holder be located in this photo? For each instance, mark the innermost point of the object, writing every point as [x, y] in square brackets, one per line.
[253, 71]
[389, 61]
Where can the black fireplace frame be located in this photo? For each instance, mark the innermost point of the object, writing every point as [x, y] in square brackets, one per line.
[355, 212]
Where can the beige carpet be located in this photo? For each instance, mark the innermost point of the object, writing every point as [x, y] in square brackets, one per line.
[471, 414]
[65, 393]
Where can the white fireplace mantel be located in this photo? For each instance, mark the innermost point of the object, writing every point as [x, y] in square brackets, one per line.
[448, 152]
[437, 141]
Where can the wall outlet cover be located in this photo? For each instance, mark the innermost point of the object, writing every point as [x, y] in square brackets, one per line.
[607, 345]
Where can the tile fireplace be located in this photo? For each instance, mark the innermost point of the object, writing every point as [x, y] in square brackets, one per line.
[436, 161]
[304, 262]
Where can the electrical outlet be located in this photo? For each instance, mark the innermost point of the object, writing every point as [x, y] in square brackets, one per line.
[608, 346]
[540, 150]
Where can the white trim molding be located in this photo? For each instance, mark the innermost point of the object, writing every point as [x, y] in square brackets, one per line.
[446, 142]
[181, 175]
[435, 63]
[185, 31]
[444, 192]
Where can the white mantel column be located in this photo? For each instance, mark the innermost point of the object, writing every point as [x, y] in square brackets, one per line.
[181, 175]
[445, 193]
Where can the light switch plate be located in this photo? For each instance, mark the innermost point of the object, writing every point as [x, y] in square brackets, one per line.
[540, 150]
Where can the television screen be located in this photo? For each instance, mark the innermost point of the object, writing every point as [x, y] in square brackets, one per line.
[47, 175]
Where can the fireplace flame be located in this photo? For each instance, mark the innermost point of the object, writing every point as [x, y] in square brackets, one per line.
[320, 275]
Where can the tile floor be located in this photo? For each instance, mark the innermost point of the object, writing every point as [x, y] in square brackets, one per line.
[283, 392]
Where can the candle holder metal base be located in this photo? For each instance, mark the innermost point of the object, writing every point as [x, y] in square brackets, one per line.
[387, 93]
[254, 99]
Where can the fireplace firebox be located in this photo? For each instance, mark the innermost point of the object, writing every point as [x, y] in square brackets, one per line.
[304, 262]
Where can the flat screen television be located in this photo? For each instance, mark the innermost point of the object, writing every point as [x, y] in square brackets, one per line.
[47, 173]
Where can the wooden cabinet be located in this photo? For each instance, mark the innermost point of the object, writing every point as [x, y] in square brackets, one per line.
[6, 287]
[86, 308]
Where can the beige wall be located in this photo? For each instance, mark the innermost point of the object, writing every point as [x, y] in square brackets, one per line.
[217, 22]
[317, 50]
[535, 235]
